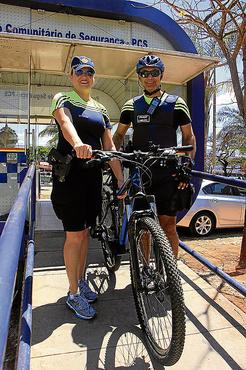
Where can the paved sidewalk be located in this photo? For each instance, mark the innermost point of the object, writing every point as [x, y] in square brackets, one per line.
[215, 337]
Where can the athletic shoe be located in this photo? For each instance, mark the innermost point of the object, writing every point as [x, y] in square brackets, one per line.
[81, 307]
[86, 292]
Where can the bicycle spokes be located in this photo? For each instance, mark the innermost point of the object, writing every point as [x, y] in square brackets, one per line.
[156, 295]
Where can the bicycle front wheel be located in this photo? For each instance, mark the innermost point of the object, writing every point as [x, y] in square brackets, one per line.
[157, 290]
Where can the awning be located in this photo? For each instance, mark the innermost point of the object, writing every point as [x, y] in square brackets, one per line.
[111, 61]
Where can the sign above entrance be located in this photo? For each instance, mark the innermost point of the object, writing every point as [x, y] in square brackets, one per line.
[29, 22]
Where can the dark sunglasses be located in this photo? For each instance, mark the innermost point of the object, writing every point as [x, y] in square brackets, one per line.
[154, 73]
[80, 72]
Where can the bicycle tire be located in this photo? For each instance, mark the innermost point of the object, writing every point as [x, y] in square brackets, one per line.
[126, 350]
[109, 235]
[159, 303]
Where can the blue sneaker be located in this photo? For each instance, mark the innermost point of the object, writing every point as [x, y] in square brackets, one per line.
[81, 307]
[86, 292]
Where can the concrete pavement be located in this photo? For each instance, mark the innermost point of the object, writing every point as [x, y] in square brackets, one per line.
[215, 335]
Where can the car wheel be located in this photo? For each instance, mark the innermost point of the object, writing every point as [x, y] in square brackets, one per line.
[202, 224]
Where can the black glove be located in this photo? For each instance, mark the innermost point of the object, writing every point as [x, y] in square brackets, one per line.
[183, 171]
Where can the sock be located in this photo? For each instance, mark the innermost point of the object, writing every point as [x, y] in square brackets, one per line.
[71, 296]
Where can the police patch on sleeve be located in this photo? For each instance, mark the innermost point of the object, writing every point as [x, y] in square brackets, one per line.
[143, 118]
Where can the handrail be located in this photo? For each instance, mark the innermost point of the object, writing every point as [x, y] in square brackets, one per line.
[227, 278]
[24, 350]
[10, 246]
[224, 276]
[225, 180]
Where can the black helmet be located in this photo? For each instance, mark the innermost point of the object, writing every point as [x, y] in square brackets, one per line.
[150, 61]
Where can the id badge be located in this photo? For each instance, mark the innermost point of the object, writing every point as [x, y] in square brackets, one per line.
[143, 118]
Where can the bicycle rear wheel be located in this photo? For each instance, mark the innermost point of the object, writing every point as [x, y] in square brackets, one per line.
[109, 238]
[157, 290]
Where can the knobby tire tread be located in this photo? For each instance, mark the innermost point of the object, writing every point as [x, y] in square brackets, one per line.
[172, 354]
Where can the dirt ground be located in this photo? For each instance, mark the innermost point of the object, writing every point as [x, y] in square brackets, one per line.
[222, 249]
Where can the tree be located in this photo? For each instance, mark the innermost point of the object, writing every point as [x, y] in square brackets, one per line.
[52, 131]
[42, 153]
[231, 139]
[223, 22]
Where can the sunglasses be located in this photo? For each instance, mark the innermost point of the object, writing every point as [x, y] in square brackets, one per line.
[154, 73]
[80, 72]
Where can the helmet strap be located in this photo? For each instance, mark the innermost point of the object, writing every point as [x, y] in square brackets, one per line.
[152, 92]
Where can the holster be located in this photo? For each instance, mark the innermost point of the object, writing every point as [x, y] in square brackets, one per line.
[182, 198]
[61, 164]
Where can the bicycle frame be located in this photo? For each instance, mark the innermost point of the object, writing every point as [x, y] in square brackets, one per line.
[136, 204]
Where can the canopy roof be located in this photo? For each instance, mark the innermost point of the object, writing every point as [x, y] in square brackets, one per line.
[53, 56]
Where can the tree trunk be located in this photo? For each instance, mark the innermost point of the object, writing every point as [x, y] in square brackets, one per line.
[224, 163]
[242, 258]
[237, 87]
[244, 77]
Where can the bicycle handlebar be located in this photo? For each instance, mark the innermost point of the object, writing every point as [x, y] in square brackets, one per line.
[101, 156]
[105, 156]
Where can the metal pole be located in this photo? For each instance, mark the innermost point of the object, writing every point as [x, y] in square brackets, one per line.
[12, 237]
[223, 179]
[227, 278]
[26, 315]
[29, 111]
[214, 123]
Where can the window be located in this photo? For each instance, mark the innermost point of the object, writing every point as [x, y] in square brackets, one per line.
[215, 188]
[222, 189]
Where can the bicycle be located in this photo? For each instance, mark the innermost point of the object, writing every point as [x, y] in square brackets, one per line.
[156, 283]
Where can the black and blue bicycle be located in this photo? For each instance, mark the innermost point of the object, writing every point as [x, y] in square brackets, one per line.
[133, 225]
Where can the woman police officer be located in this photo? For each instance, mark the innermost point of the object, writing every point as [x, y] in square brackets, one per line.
[83, 125]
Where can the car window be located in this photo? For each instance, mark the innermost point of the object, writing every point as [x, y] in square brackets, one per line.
[221, 189]
[215, 188]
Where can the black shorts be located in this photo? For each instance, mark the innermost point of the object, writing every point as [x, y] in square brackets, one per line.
[164, 188]
[77, 201]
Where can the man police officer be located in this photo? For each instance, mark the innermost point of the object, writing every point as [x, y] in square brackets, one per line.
[155, 117]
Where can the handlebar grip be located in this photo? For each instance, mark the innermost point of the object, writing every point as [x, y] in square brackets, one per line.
[187, 148]
[96, 162]
[92, 163]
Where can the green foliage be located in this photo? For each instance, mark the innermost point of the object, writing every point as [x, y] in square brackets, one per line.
[231, 140]
[52, 131]
[42, 153]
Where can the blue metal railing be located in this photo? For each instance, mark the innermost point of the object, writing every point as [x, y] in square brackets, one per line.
[24, 350]
[225, 180]
[227, 278]
[11, 244]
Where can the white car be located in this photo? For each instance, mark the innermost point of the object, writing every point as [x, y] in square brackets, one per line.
[216, 206]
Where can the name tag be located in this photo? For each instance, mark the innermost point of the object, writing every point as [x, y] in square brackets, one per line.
[144, 118]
